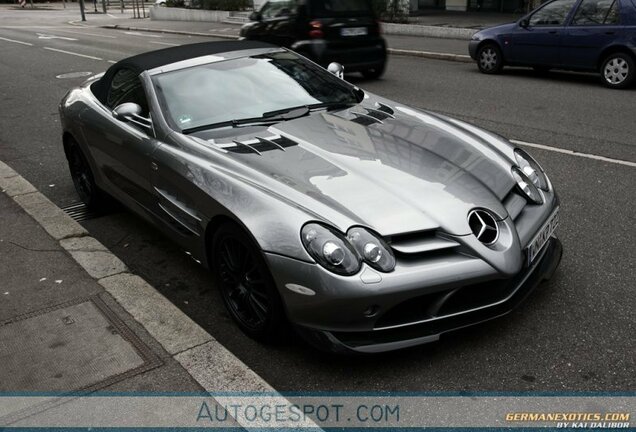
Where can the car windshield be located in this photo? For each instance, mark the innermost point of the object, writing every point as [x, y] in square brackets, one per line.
[245, 88]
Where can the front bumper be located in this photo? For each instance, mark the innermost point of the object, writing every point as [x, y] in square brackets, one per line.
[472, 48]
[347, 319]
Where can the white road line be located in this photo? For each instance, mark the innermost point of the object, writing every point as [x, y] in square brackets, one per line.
[16, 41]
[164, 43]
[88, 34]
[133, 33]
[73, 53]
[111, 61]
[575, 153]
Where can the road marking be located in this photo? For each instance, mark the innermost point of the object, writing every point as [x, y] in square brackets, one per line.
[50, 36]
[575, 153]
[111, 61]
[73, 53]
[88, 34]
[133, 33]
[16, 41]
[164, 43]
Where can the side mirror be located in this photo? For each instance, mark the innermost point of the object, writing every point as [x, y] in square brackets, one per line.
[131, 112]
[126, 111]
[255, 16]
[337, 69]
[524, 23]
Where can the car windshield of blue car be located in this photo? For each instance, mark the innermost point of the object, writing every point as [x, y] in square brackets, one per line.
[224, 93]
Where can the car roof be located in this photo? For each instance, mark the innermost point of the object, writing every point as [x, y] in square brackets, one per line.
[154, 59]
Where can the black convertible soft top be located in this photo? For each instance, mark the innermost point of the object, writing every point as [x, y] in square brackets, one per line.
[153, 59]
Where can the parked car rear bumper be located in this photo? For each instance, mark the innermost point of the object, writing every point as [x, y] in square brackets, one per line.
[365, 55]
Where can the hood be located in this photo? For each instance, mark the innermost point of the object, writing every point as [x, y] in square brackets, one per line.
[495, 31]
[410, 171]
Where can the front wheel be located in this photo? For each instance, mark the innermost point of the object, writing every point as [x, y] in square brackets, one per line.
[617, 70]
[83, 180]
[489, 59]
[246, 286]
[374, 73]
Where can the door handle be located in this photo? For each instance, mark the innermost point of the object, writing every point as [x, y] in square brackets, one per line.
[610, 32]
[553, 32]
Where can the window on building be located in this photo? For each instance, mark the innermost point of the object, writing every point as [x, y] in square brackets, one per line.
[596, 12]
[552, 14]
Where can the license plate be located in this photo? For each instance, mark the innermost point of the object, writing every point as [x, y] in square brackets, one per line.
[542, 237]
[353, 31]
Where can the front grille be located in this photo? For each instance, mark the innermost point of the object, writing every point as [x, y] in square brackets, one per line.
[449, 302]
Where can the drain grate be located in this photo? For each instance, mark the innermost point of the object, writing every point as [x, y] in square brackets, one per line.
[79, 212]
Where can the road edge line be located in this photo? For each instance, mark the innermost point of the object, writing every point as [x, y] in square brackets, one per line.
[206, 360]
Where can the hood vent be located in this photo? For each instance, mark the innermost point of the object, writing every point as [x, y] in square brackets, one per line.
[258, 145]
[373, 115]
[421, 242]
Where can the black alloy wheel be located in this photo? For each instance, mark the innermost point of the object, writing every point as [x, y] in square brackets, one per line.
[246, 285]
[83, 178]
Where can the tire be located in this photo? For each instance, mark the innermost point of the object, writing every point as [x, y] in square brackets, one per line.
[374, 73]
[83, 180]
[246, 285]
[489, 59]
[618, 70]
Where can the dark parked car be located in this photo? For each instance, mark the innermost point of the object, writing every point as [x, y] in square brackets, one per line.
[581, 35]
[325, 31]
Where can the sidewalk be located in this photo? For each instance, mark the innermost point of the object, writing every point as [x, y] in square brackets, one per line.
[73, 319]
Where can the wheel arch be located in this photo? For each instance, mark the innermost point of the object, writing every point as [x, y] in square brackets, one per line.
[491, 41]
[613, 50]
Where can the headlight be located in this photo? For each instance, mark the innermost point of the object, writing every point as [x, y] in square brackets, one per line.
[527, 186]
[531, 169]
[330, 249]
[372, 249]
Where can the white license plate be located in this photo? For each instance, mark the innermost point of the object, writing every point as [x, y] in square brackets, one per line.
[353, 31]
[543, 236]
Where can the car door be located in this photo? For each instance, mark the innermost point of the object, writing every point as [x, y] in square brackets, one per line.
[536, 41]
[594, 26]
[122, 149]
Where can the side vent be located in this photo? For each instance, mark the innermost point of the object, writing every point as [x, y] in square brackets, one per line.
[420, 243]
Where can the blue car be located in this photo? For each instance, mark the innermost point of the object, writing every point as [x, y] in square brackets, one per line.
[579, 35]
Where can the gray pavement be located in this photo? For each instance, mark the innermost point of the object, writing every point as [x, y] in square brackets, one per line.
[61, 331]
[573, 335]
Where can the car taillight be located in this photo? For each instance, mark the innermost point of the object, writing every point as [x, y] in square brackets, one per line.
[315, 30]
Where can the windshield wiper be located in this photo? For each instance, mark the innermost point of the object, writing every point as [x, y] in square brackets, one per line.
[268, 117]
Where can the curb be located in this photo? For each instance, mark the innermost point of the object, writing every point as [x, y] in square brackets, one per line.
[209, 363]
[394, 51]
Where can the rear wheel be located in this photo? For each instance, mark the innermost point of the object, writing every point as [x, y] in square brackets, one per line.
[83, 180]
[489, 59]
[617, 70]
[374, 73]
[246, 286]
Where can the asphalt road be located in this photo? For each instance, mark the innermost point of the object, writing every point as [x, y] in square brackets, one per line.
[575, 334]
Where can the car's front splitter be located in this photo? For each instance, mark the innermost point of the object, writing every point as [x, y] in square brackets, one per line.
[404, 336]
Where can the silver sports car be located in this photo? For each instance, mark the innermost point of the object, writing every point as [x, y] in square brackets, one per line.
[363, 223]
